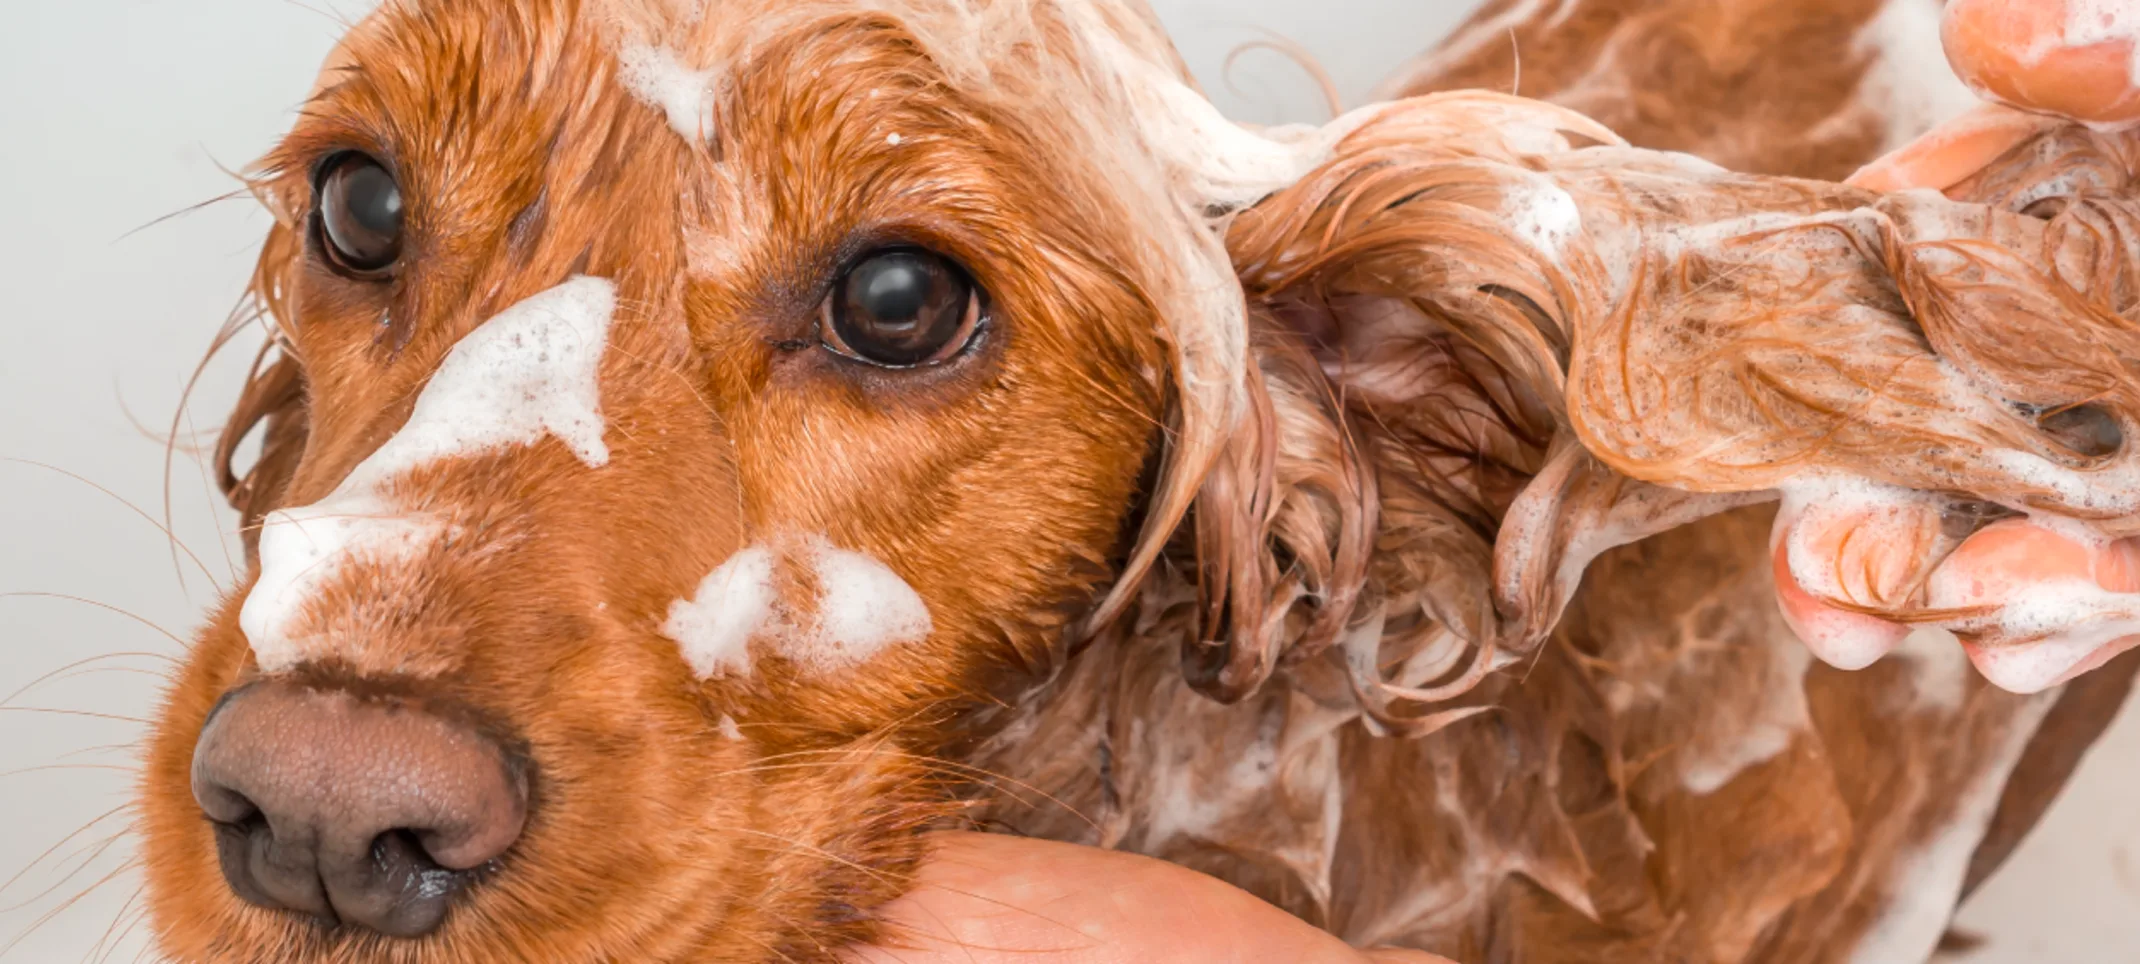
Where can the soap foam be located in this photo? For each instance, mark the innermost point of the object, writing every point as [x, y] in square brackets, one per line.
[1819, 495]
[1843, 639]
[731, 604]
[1543, 216]
[1927, 881]
[2112, 491]
[862, 608]
[532, 371]
[659, 80]
[2049, 630]
[2090, 22]
[1705, 768]
[304, 547]
[1908, 79]
[1939, 669]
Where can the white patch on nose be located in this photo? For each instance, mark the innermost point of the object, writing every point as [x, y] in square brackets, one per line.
[862, 608]
[530, 371]
[301, 549]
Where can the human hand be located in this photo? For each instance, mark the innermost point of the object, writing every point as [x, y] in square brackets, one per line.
[2042, 63]
[2039, 63]
[992, 899]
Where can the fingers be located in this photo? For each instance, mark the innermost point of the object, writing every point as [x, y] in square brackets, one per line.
[2073, 58]
[1953, 151]
[2052, 601]
[1386, 956]
[2052, 59]
[986, 898]
[2036, 604]
[1860, 549]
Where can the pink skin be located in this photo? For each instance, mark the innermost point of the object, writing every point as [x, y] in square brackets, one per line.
[2010, 559]
[2008, 51]
[2003, 563]
[1866, 555]
[2012, 53]
[992, 899]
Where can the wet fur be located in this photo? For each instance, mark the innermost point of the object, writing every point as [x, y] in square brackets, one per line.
[1341, 585]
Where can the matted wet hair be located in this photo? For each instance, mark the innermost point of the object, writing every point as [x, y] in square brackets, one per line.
[1409, 405]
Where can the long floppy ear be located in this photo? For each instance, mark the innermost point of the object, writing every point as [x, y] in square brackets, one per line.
[1490, 341]
[1406, 387]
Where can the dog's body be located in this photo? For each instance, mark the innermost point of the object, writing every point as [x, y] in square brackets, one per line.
[750, 606]
[1673, 778]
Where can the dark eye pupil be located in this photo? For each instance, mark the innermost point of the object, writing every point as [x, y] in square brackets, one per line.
[902, 307]
[892, 289]
[360, 213]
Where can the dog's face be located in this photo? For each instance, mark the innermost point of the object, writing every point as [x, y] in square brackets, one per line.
[684, 441]
[692, 417]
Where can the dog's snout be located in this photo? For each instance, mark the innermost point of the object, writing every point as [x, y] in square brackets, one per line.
[355, 811]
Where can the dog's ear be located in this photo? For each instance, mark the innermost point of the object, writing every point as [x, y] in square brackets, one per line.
[1482, 355]
[1404, 385]
[273, 399]
[1409, 340]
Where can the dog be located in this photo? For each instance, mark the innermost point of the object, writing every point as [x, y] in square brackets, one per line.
[707, 444]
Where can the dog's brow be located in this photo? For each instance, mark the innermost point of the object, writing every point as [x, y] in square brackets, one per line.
[1101, 84]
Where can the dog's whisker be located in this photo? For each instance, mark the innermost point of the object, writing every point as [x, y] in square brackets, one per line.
[62, 842]
[177, 545]
[131, 746]
[107, 607]
[86, 664]
[208, 490]
[44, 767]
[130, 915]
[52, 914]
[85, 714]
[82, 857]
[241, 316]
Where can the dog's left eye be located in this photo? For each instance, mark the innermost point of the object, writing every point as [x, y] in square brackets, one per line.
[902, 308]
[359, 212]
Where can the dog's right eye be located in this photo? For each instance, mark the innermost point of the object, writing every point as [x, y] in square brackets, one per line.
[359, 214]
[902, 307]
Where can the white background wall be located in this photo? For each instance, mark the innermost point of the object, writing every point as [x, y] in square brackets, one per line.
[115, 113]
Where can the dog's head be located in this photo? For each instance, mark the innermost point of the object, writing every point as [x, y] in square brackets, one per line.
[683, 418]
[688, 423]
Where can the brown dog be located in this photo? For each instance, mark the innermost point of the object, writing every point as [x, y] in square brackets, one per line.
[709, 443]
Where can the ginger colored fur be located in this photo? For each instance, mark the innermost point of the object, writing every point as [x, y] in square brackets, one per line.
[1251, 531]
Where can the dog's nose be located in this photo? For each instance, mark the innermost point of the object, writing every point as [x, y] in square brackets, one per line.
[353, 810]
